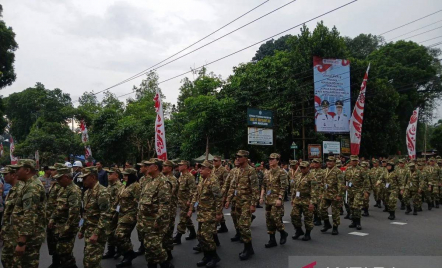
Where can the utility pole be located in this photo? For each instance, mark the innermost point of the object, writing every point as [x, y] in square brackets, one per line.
[207, 147]
[425, 141]
[303, 132]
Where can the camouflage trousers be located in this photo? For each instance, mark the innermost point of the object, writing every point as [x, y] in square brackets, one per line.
[93, 252]
[112, 239]
[366, 201]
[51, 238]
[8, 251]
[381, 192]
[273, 218]
[391, 199]
[242, 209]
[413, 195]
[153, 240]
[376, 193]
[31, 256]
[64, 250]
[185, 222]
[335, 208]
[168, 236]
[435, 193]
[301, 207]
[205, 235]
[355, 202]
[428, 196]
[122, 233]
[234, 215]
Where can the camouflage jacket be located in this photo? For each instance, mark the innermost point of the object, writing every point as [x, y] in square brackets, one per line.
[391, 181]
[29, 211]
[304, 189]
[187, 188]
[128, 198]
[97, 213]
[67, 214]
[8, 230]
[333, 183]
[221, 174]
[207, 199]
[174, 194]
[414, 180]
[274, 185]
[143, 180]
[319, 174]
[432, 173]
[244, 187]
[402, 176]
[114, 189]
[51, 203]
[355, 179]
[154, 204]
[367, 180]
[226, 187]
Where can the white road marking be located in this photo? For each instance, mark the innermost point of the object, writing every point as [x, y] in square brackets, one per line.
[398, 223]
[358, 233]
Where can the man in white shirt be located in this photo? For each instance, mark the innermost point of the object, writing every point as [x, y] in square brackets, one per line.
[340, 120]
[324, 121]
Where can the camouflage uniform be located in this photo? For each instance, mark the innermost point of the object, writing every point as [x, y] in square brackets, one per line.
[113, 188]
[187, 187]
[225, 190]
[319, 174]
[425, 185]
[51, 205]
[368, 187]
[29, 218]
[333, 187]
[9, 232]
[221, 174]
[65, 218]
[355, 180]
[97, 217]
[374, 175]
[391, 190]
[168, 237]
[143, 181]
[412, 189]
[401, 173]
[432, 172]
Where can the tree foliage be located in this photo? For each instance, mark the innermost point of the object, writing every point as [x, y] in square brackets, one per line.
[8, 46]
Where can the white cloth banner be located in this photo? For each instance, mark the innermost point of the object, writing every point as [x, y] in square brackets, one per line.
[411, 134]
[14, 160]
[357, 118]
[160, 133]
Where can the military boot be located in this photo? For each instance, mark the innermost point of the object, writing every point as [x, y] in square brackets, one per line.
[192, 233]
[365, 214]
[317, 220]
[177, 239]
[392, 215]
[283, 238]
[205, 260]
[272, 242]
[327, 226]
[415, 210]
[213, 260]
[307, 236]
[166, 264]
[110, 252]
[127, 260]
[253, 217]
[151, 265]
[169, 255]
[358, 224]
[402, 205]
[222, 228]
[353, 224]
[247, 252]
[379, 204]
[118, 253]
[55, 262]
[385, 208]
[216, 239]
[335, 230]
[237, 236]
[139, 252]
[430, 205]
[408, 210]
[197, 248]
[437, 204]
[298, 233]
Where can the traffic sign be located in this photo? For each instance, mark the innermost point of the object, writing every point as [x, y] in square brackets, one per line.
[294, 146]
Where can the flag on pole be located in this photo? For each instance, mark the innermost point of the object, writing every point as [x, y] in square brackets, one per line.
[85, 139]
[411, 134]
[357, 117]
[14, 160]
[160, 134]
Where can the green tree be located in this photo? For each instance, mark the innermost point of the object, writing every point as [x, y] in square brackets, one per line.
[363, 45]
[270, 47]
[8, 46]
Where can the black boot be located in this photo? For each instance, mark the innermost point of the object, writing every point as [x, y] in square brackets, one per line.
[205, 260]
[166, 264]
[192, 233]
[408, 210]
[347, 216]
[385, 208]
[55, 261]
[358, 224]
[353, 224]
[341, 211]
[247, 252]
[197, 248]
[127, 260]
[335, 230]
[307, 236]
[213, 260]
[177, 239]
[437, 204]
[402, 205]
[118, 253]
[430, 205]
[283, 238]
[110, 252]
[365, 214]
[317, 220]
[237, 236]
[169, 255]
[379, 204]
[215, 237]
[272, 242]
[327, 226]
[223, 228]
[415, 211]
[151, 265]
[298, 233]
[253, 217]
[392, 215]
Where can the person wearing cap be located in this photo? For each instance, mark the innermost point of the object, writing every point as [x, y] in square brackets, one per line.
[391, 189]
[369, 187]
[46, 178]
[260, 174]
[127, 205]
[221, 173]
[143, 180]
[245, 190]
[432, 170]
[340, 120]
[425, 188]
[186, 190]
[375, 173]
[412, 189]
[401, 171]
[318, 173]
[332, 195]
[97, 216]
[233, 175]
[356, 187]
[102, 175]
[273, 190]
[304, 196]
[324, 121]
[9, 234]
[113, 188]
[28, 215]
[64, 220]
[208, 203]
[76, 171]
[168, 167]
[153, 214]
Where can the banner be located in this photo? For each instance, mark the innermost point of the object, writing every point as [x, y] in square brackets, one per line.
[85, 139]
[332, 94]
[314, 151]
[160, 133]
[331, 147]
[14, 160]
[357, 117]
[411, 134]
[260, 136]
[259, 118]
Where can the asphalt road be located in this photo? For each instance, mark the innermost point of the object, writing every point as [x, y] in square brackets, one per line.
[412, 236]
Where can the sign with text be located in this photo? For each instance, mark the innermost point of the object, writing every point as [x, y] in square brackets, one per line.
[331, 147]
[260, 136]
[345, 145]
[259, 118]
[314, 151]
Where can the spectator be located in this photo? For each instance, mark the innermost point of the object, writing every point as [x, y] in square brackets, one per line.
[128, 165]
[76, 168]
[102, 175]
[46, 178]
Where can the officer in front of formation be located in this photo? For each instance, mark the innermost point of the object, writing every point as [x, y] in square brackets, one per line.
[355, 185]
[412, 189]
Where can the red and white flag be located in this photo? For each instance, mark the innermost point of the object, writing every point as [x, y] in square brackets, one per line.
[357, 117]
[411, 134]
[160, 133]
[85, 139]
[14, 160]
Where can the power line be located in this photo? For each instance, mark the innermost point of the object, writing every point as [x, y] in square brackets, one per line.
[423, 33]
[415, 30]
[411, 22]
[430, 39]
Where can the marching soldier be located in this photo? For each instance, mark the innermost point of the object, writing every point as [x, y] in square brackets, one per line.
[143, 180]
[355, 185]
[221, 173]
[401, 171]
[382, 177]
[96, 218]
[369, 186]
[168, 237]
[374, 175]
[245, 190]
[432, 171]
[412, 189]
[208, 203]
[233, 175]
[274, 186]
[318, 173]
[391, 190]
[425, 188]
[65, 218]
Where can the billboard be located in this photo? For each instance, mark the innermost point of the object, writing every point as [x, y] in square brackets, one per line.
[259, 118]
[260, 136]
[331, 147]
[332, 95]
[314, 151]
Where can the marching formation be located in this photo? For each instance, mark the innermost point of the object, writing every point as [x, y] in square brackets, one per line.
[108, 214]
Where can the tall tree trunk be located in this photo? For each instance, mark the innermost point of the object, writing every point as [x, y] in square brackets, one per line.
[207, 147]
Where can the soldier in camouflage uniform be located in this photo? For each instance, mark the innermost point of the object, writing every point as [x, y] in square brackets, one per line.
[28, 215]
[332, 195]
[153, 214]
[391, 189]
[65, 218]
[208, 203]
[245, 189]
[143, 180]
[369, 185]
[425, 187]
[412, 189]
[9, 232]
[318, 173]
[432, 171]
[374, 174]
[225, 190]
[382, 191]
[274, 186]
[304, 195]
[401, 171]
[168, 237]
[96, 218]
[185, 192]
[355, 184]
[113, 188]
[221, 173]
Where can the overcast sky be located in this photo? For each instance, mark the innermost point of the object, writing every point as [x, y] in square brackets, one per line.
[79, 45]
